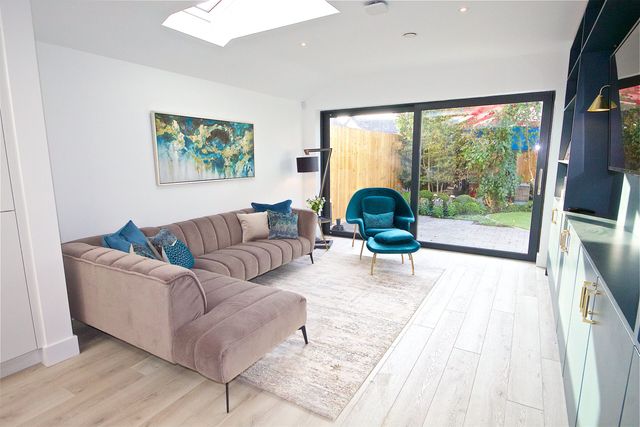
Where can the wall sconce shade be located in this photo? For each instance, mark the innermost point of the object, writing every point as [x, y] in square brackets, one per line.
[600, 104]
[307, 164]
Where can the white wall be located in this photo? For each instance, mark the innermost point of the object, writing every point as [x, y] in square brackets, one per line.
[97, 111]
[28, 158]
[451, 81]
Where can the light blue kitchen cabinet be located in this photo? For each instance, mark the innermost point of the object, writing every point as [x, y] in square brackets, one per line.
[607, 362]
[570, 257]
[577, 337]
[553, 253]
[631, 409]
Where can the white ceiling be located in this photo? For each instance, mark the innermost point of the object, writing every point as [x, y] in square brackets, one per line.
[350, 43]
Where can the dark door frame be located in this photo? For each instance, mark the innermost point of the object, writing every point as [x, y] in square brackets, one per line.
[547, 98]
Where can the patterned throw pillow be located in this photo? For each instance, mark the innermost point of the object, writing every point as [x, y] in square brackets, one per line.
[173, 250]
[383, 220]
[142, 250]
[283, 225]
[178, 254]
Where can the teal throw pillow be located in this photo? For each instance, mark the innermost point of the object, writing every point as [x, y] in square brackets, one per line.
[383, 220]
[173, 250]
[283, 225]
[179, 254]
[123, 238]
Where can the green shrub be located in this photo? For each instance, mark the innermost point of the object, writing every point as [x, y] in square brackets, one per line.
[426, 194]
[452, 210]
[444, 196]
[437, 211]
[406, 195]
[424, 207]
[468, 206]
[464, 198]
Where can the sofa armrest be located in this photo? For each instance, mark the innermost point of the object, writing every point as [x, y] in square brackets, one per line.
[307, 224]
[139, 300]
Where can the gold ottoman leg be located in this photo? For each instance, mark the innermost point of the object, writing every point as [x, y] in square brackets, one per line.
[413, 271]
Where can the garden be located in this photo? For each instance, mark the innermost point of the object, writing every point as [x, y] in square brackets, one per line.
[477, 163]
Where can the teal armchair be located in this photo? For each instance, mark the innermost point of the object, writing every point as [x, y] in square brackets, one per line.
[377, 200]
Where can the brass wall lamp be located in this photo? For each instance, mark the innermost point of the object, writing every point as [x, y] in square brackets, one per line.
[600, 104]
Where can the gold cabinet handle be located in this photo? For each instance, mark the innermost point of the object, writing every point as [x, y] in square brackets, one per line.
[564, 237]
[588, 289]
[554, 212]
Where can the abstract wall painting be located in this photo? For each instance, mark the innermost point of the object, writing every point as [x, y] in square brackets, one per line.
[193, 149]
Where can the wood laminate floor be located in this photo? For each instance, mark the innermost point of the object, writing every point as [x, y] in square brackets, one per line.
[480, 351]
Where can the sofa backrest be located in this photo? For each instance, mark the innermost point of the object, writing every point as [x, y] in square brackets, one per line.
[201, 235]
[206, 234]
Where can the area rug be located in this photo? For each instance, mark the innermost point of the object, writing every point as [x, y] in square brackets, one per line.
[353, 318]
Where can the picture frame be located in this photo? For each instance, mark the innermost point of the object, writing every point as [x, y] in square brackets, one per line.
[191, 149]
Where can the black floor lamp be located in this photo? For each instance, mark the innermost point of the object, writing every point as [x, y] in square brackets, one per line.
[311, 164]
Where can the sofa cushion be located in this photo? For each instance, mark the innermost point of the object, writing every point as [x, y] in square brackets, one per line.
[248, 260]
[238, 331]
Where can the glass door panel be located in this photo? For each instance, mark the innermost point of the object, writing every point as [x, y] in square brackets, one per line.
[369, 150]
[478, 172]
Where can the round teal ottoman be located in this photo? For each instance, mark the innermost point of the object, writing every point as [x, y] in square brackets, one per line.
[393, 242]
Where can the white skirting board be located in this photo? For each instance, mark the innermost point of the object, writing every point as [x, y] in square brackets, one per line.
[59, 351]
[48, 356]
[21, 362]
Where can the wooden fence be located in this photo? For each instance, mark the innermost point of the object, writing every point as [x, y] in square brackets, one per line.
[360, 159]
[363, 158]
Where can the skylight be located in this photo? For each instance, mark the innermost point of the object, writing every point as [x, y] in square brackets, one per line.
[220, 21]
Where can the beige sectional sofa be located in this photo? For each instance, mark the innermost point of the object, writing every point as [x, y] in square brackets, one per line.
[210, 318]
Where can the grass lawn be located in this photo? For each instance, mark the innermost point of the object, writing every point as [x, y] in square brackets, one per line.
[501, 219]
[512, 219]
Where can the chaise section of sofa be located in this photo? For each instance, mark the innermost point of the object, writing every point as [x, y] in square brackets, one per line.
[210, 318]
[139, 300]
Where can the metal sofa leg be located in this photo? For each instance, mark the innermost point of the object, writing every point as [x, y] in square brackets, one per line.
[226, 389]
[311, 256]
[303, 328]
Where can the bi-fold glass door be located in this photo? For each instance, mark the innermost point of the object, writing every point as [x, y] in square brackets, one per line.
[473, 170]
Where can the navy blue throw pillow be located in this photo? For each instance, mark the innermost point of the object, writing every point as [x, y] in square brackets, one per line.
[282, 207]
